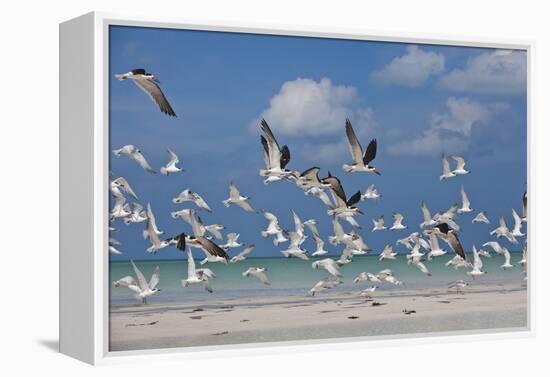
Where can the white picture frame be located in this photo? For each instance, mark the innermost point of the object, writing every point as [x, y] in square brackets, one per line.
[84, 156]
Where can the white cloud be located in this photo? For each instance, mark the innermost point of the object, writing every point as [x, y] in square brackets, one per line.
[305, 107]
[450, 131]
[497, 72]
[412, 69]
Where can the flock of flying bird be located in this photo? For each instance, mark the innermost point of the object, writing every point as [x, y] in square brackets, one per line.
[422, 246]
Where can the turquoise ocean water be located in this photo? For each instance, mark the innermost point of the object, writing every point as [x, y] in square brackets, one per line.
[295, 277]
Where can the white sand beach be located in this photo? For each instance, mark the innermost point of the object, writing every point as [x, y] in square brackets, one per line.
[325, 316]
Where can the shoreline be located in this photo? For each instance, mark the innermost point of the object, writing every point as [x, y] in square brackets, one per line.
[329, 315]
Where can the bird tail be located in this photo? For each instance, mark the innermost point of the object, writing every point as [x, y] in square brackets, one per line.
[347, 168]
[264, 234]
[226, 202]
[163, 171]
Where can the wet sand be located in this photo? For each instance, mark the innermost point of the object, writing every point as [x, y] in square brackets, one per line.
[326, 316]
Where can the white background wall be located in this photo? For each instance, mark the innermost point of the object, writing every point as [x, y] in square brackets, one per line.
[29, 188]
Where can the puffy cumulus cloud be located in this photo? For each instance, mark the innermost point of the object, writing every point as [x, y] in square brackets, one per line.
[412, 69]
[305, 107]
[450, 131]
[496, 72]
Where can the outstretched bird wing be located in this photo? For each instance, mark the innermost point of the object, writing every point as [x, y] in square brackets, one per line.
[155, 93]
[370, 153]
[355, 147]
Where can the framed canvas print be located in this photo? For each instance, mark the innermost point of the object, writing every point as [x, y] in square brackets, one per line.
[223, 186]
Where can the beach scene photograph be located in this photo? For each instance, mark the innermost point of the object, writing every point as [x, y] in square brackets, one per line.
[271, 188]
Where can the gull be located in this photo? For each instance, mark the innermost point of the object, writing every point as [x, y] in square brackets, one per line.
[299, 226]
[189, 196]
[275, 158]
[481, 218]
[319, 247]
[357, 244]
[371, 193]
[345, 257]
[156, 243]
[503, 231]
[465, 202]
[524, 205]
[478, 265]
[523, 260]
[447, 173]
[457, 262]
[415, 251]
[323, 284]
[150, 85]
[171, 167]
[294, 248]
[416, 261]
[321, 194]
[231, 242]
[500, 250]
[273, 229]
[185, 214]
[435, 250]
[328, 264]
[378, 224]
[122, 184]
[196, 276]
[360, 162]
[343, 207]
[137, 215]
[397, 222]
[120, 209]
[259, 273]
[242, 255]
[449, 235]
[339, 235]
[426, 215]
[236, 198]
[459, 285]
[367, 276]
[112, 248]
[136, 155]
[484, 253]
[387, 253]
[142, 289]
[516, 232]
[388, 276]
[214, 229]
[153, 221]
[460, 164]
[319, 243]
[367, 293]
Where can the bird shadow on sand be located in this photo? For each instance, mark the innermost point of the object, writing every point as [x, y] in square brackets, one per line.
[51, 344]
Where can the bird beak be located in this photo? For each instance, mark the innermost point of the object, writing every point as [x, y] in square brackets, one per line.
[376, 172]
[359, 211]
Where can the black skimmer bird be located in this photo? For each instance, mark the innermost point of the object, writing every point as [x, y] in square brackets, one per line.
[276, 158]
[360, 161]
[150, 85]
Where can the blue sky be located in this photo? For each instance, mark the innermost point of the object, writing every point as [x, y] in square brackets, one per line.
[418, 100]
